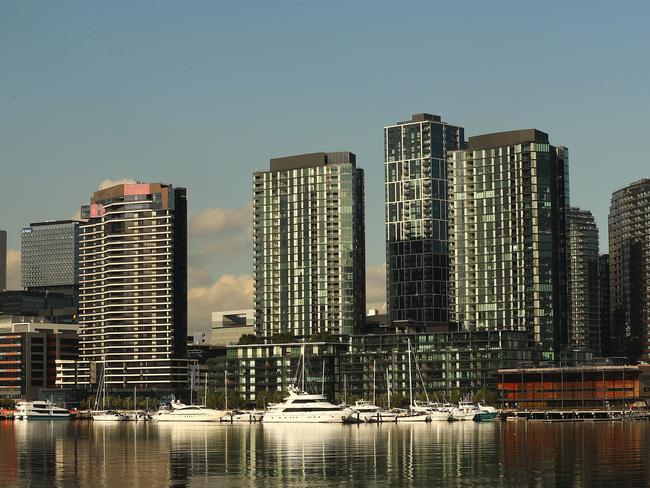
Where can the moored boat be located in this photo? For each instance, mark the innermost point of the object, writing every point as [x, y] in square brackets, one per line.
[179, 412]
[303, 407]
[40, 410]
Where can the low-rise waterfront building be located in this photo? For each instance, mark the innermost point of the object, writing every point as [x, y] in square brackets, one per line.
[259, 373]
[588, 387]
[449, 364]
[29, 352]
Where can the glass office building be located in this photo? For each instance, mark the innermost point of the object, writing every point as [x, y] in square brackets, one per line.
[309, 249]
[415, 176]
[629, 270]
[584, 295]
[50, 257]
[508, 236]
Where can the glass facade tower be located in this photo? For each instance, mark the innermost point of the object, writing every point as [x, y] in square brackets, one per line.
[508, 236]
[50, 257]
[584, 295]
[629, 270]
[309, 249]
[415, 176]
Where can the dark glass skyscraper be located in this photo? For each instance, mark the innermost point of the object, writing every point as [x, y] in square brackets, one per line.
[629, 270]
[584, 301]
[415, 176]
[508, 236]
[603, 292]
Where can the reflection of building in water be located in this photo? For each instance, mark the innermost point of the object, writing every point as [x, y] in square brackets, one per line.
[574, 454]
[87, 455]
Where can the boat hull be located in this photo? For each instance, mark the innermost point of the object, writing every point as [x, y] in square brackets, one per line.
[305, 418]
[485, 416]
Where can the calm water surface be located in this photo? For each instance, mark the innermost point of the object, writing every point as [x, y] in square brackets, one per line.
[463, 454]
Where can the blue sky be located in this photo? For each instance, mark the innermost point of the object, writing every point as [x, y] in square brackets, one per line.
[201, 94]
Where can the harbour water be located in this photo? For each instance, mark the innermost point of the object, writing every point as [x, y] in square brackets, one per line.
[462, 454]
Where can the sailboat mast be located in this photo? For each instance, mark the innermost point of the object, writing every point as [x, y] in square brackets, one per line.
[303, 367]
[388, 387]
[410, 377]
[225, 386]
[322, 381]
[374, 368]
[205, 391]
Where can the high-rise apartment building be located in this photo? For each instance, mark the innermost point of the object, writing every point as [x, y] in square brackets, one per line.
[415, 177]
[309, 249]
[133, 287]
[3, 260]
[508, 236]
[629, 270]
[584, 295]
[50, 257]
[603, 292]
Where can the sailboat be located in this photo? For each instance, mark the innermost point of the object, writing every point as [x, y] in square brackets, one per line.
[413, 414]
[104, 415]
[363, 410]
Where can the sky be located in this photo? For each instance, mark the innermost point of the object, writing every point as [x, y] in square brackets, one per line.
[201, 94]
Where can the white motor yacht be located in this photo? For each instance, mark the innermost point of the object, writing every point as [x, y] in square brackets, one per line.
[180, 412]
[302, 407]
[40, 410]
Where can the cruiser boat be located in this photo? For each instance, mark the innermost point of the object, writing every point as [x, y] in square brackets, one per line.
[364, 411]
[485, 413]
[303, 407]
[180, 412]
[108, 416]
[413, 416]
[40, 410]
[436, 411]
[242, 416]
[465, 411]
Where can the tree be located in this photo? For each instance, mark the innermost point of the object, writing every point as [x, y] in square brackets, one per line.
[250, 339]
[282, 337]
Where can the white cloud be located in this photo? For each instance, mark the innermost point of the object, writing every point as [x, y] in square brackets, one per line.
[376, 287]
[215, 220]
[220, 242]
[108, 183]
[228, 292]
[13, 269]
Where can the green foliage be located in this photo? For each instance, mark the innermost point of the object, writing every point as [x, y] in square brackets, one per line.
[282, 337]
[321, 337]
[263, 398]
[217, 400]
[250, 339]
[121, 403]
[7, 403]
[486, 397]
